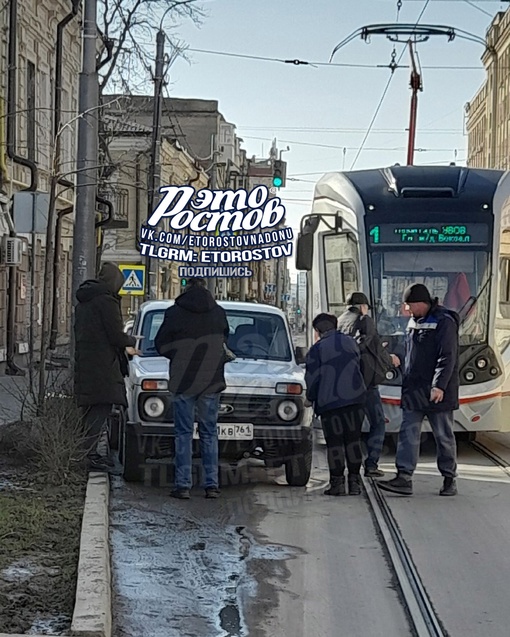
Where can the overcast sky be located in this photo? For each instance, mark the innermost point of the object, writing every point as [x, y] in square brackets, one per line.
[270, 99]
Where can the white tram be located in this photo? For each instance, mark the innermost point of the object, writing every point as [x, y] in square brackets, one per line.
[447, 227]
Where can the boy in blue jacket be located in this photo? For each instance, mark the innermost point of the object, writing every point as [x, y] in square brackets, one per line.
[335, 387]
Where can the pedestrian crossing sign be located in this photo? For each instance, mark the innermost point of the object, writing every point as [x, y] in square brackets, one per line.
[134, 279]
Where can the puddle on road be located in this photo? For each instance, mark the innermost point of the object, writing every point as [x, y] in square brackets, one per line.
[180, 571]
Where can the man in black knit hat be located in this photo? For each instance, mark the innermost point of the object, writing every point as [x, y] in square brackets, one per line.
[430, 387]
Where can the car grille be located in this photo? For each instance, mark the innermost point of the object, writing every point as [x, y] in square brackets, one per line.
[255, 409]
[250, 408]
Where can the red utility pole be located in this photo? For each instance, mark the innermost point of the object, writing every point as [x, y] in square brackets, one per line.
[416, 85]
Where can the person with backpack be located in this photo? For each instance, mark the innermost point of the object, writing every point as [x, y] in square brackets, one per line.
[430, 387]
[375, 362]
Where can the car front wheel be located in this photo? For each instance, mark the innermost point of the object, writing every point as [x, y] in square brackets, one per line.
[298, 465]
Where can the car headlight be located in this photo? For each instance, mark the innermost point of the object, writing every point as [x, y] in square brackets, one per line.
[154, 407]
[482, 363]
[287, 410]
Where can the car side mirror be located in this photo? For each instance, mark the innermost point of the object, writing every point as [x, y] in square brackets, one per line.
[300, 354]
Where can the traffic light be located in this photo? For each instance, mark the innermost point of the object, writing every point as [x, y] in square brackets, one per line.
[279, 170]
[184, 283]
[298, 311]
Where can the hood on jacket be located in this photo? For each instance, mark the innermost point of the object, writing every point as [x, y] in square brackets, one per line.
[111, 276]
[197, 300]
[89, 290]
[440, 309]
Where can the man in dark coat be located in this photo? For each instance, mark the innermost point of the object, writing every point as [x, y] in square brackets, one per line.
[100, 355]
[335, 387]
[375, 362]
[430, 387]
[192, 337]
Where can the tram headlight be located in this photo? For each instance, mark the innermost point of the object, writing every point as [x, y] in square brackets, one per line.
[287, 410]
[482, 363]
[391, 374]
[469, 376]
[154, 407]
[494, 371]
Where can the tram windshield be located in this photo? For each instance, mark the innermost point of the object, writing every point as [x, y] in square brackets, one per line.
[459, 278]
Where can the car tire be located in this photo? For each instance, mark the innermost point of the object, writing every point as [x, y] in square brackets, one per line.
[298, 467]
[132, 459]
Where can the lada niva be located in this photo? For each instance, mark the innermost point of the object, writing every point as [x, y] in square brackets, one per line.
[262, 411]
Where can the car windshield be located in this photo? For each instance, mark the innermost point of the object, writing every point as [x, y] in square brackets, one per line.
[456, 277]
[255, 335]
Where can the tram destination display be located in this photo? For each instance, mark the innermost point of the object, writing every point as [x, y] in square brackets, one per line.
[425, 234]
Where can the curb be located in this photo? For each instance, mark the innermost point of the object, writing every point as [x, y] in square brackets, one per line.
[92, 615]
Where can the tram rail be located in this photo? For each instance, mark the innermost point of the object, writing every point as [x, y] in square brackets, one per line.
[425, 621]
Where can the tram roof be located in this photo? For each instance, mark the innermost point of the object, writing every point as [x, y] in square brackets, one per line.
[388, 188]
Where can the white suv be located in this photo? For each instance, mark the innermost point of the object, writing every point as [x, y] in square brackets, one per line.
[262, 410]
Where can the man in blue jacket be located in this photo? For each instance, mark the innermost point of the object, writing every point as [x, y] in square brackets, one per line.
[334, 384]
[430, 387]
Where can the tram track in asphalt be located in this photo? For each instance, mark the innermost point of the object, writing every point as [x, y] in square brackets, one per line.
[421, 613]
[491, 455]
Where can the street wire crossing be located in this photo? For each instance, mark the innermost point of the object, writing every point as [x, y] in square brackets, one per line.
[134, 279]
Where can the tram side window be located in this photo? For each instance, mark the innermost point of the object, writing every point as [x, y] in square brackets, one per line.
[504, 289]
[342, 267]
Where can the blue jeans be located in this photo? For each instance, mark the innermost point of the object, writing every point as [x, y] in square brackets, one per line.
[374, 440]
[408, 448]
[206, 409]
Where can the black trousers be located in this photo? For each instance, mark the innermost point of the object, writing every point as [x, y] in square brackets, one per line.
[95, 418]
[342, 431]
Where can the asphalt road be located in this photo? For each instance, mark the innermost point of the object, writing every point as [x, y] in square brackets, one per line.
[269, 560]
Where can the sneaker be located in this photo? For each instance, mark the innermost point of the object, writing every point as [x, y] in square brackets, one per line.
[103, 465]
[373, 472]
[212, 493]
[180, 494]
[449, 487]
[354, 485]
[401, 485]
[336, 487]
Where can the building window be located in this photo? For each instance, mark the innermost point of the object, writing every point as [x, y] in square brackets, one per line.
[31, 111]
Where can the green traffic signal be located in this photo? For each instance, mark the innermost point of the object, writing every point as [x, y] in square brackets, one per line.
[184, 282]
[277, 182]
[298, 311]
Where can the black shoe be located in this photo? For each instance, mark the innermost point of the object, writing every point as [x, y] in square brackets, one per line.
[103, 465]
[373, 472]
[212, 493]
[180, 494]
[354, 485]
[449, 487]
[336, 486]
[400, 485]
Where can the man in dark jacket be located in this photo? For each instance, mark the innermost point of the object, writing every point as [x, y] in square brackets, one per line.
[192, 336]
[334, 384]
[430, 387]
[100, 355]
[375, 361]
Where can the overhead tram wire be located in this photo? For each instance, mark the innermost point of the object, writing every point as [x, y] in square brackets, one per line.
[491, 15]
[386, 89]
[353, 65]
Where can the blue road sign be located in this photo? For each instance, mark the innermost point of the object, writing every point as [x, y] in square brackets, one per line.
[134, 279]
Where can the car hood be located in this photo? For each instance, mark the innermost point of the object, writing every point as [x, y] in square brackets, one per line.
[238, 373]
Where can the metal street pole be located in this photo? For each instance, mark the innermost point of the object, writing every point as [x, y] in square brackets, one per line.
[155, 162]
[84, 244]
[211, 281]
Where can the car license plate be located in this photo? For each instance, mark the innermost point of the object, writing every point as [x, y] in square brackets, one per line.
[240, 431]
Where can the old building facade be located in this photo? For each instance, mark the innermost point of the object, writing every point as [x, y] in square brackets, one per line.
[39, 42]
[488, 113]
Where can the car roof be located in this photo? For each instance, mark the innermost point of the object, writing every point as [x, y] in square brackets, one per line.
[227, 305]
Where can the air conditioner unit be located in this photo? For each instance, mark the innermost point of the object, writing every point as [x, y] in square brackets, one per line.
[12, 253]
